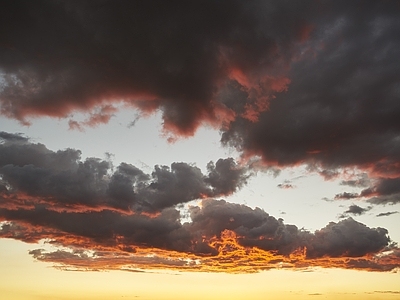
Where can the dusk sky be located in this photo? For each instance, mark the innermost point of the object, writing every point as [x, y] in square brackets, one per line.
[199, 149]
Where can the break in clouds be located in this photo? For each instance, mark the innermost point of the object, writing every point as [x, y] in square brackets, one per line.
[102, 218]
[294, 83]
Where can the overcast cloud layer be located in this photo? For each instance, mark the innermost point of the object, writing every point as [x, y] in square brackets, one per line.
[313, 83]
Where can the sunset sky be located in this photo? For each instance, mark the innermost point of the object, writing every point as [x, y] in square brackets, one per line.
[199, 149]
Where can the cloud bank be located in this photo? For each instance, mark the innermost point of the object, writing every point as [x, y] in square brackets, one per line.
[127, 219]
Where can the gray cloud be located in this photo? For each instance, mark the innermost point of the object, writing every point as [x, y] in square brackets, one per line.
[100, 229]
[219, 235]
[336, 113]
[63, 179]
[347, 238]
[225, 176]
[333, 97]
[346, 196]
[62, 56]
[255, 227]
[295, 83]
[355, 210]
[381, 191]
[5, 136]
[386, 191]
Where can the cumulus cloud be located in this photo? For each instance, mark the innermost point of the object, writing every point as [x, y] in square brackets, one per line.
[253, 226]
[61, 178]
[256, 228]
[349, 238]
[225, 176]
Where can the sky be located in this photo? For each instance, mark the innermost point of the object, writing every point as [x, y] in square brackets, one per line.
[201, 149]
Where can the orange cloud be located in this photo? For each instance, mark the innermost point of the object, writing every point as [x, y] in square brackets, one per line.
[231, 257]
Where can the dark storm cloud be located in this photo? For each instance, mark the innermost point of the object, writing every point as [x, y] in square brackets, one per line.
[64, 180]
[61, 56]
[341, 107]
[296, 83]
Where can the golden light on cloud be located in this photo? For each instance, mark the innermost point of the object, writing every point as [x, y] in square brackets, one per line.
[231, 257]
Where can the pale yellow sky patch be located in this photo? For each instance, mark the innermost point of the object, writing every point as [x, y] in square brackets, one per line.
[22, 278]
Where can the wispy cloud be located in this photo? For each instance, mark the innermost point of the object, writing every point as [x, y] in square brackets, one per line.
[387, 213]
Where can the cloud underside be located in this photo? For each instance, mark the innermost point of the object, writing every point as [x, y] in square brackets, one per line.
[220, 240]
[334, 246]
[231, 258]
[101, 217]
